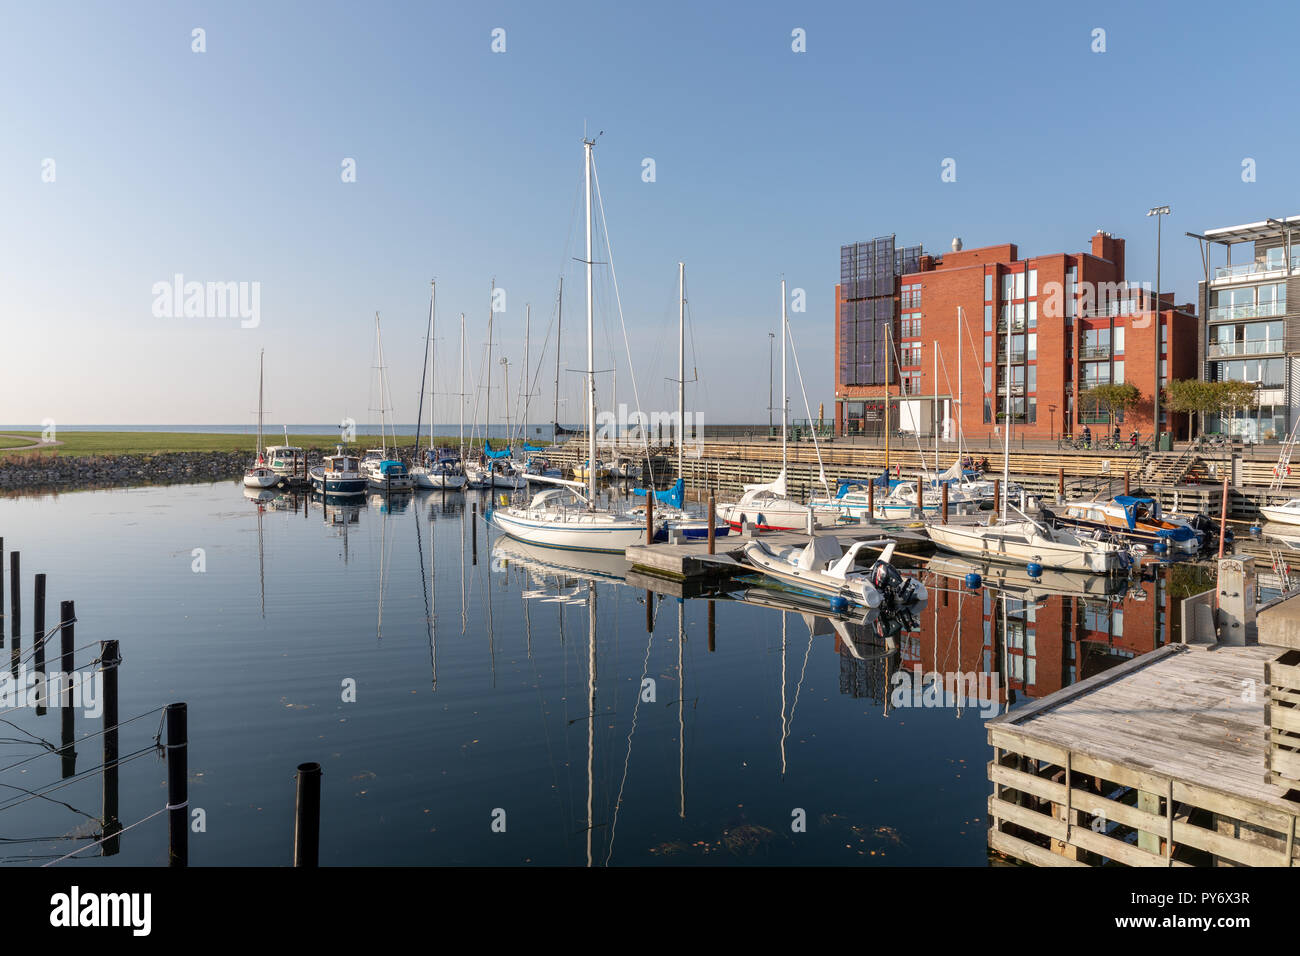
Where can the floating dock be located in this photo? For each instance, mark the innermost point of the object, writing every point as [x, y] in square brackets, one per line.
[1164, 760]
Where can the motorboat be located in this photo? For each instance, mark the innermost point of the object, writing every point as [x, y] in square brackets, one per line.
[1288, 513]
[1128, 517]
[581, 472]
[819, 568]
[1031, 542]
[385, 474]
[338, 475]
[287, 461]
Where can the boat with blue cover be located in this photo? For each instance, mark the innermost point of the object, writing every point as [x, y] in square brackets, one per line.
[1134, 518]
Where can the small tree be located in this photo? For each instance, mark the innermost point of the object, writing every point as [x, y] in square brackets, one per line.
[1191, 396]
[1119, 398]
[1232, 394]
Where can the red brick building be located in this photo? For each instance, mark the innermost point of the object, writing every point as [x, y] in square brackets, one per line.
[1074, 322]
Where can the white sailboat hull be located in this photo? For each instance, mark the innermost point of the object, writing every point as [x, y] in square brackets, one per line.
[575, 530]
[1022, 542]
[1281, 515]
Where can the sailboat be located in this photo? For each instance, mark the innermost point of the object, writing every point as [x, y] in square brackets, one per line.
[439, 471]
[1028, 541]
[260, 475]
[768, 506]
[383, 473]
[566, 515]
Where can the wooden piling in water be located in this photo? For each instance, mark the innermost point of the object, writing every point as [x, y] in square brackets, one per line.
[945, 503]
[38, 640]
[712, 631]
[306, 817]
[712, 519]
[920, 496]
[178, 801]
[15, 592]
[109, 658]
[67, 630]
[1060, 483]
[1126, 477]
[649, 612]
[997, 497]
[871, 499]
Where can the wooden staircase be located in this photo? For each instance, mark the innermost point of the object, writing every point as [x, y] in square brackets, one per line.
[1169, 467]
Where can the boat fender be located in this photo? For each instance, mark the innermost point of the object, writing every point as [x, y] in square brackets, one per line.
[973, 581]
[759, 521]
[1035, 569]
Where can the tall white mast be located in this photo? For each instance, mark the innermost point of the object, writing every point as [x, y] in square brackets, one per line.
[587, 145]
[681, 362]
[433, 362]
[462, 416]
[487, 395]
[528, 315]
[961, 319]
[935, 404]
[261, 361]
[383, 434]
[784, 398]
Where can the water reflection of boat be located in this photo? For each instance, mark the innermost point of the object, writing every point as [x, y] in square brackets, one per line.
[389, 503]
[866, 633]
[1014, 577]
[260, 496]
[586, 565]
[1286, 534]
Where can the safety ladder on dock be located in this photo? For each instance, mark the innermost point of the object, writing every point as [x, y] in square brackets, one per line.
[1283, 467]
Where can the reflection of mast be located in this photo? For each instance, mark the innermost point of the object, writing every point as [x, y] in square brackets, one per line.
[627, 759]
[383, 538]
[261, 562]
[591, 702]
[783, 724]
[681, 717]
[428, 595]
[464, 612]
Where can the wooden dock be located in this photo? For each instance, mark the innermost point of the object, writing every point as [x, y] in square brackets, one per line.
[1161, 761]
[691, 561]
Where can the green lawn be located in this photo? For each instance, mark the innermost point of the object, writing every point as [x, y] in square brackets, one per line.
[148, 443]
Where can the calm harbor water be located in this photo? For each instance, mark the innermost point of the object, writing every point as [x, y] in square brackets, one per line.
[472, 669]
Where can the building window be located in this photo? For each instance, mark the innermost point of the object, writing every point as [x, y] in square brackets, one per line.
[1118, 375]
[1032, 353]
[988, 317]
[1119, 339]
[911, 355]
[1071, 280]
[1033, 314]
[911, 296]
[911, 326]
[988, 287]
[988, 348]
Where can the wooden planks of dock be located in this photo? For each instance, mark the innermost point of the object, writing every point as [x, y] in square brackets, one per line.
[1158, 762]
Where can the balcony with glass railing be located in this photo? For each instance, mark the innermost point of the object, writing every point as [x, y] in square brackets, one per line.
[1247, 269]
[1087, 352]
[1246, 347]
[1017, 325]
[1263, 310]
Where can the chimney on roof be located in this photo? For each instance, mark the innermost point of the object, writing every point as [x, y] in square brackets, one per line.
[956, 244]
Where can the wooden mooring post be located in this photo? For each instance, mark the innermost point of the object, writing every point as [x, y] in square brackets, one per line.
[178, 800]
[945, 503]
[15, 592]
[67, 630]
[1223, 518]
[1126, 480]
[997, 498]
[920, 496]
[1060, 483]
[109, 658]
[38, 641]
[712, 519]
[871, 499]
[306, 817]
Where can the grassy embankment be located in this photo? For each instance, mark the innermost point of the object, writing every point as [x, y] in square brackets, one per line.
[151, 443]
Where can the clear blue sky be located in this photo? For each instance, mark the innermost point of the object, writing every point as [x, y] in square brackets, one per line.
[225, 166]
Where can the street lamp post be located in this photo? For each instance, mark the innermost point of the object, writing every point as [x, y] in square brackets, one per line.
[771, 341]
[1158, 212]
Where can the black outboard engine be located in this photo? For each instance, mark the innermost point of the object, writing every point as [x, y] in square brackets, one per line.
[1047, 517]
[895, 589]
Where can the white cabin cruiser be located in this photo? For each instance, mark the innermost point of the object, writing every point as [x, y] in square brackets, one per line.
[1028, 542]
[819, 568]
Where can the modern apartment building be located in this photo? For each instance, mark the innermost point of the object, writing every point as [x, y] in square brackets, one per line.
[1251, 304]
[1073, 319]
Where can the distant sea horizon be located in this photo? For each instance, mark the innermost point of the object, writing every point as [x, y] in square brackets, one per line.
[498, 430]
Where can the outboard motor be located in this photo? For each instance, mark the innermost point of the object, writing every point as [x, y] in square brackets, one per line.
[895, 589]
[1047, 517]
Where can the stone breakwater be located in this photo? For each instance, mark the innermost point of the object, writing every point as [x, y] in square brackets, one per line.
[65, 473]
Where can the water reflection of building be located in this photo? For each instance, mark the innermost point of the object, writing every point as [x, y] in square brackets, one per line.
[1037, 641]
